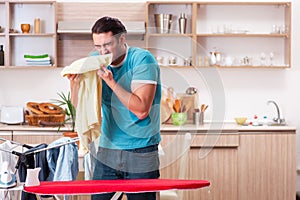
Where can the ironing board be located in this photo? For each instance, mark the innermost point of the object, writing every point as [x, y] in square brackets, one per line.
[118, 186]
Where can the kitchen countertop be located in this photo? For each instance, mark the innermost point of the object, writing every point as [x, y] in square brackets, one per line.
[26, 127]
[225, 127]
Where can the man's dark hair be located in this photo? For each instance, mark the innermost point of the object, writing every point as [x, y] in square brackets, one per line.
[107, 24]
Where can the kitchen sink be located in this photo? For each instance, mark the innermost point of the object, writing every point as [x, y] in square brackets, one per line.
[276, 124]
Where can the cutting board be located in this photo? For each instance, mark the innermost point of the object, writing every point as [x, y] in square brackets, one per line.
[191, 102]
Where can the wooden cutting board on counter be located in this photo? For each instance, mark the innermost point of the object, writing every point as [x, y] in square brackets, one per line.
[190, 102]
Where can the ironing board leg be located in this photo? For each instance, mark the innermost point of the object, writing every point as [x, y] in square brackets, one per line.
[37, 197]
[157, 196]
[116, 196]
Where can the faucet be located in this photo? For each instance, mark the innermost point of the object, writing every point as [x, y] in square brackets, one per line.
[277, 120]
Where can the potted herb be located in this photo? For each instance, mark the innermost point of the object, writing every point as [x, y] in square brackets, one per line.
[70, 111]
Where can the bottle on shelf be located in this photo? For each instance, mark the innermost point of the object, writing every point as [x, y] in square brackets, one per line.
[1, 56]
[182, 23]
[213, 59]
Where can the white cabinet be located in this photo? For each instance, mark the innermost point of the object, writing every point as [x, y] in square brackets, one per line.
[238, 34]
[17, 44]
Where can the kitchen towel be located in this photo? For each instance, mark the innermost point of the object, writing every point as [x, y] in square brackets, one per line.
[38, 60]
[88, 94]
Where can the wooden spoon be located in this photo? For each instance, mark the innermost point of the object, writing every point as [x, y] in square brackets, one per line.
[177, 105]
[203, 107]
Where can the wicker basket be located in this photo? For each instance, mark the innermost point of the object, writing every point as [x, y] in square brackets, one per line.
[35, 120]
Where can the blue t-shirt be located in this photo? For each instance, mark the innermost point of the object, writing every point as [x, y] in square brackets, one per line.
[121, 129]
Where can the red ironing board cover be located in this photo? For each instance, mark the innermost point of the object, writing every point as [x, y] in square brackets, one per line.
[105, 186]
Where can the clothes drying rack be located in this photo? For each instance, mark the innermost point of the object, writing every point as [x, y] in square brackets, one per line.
[23, 156]
[72, 140]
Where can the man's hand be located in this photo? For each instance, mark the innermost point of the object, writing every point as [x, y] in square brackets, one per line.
[74, 77]
[107, 76]
[74, 86]
[103, 72]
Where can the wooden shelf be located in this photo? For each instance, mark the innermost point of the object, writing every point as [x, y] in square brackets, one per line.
[32, 34]
[242, 35]
[169, 35]
[251, 66]
[30, 67]
[176, 66]
[235, 29]
[16, 44]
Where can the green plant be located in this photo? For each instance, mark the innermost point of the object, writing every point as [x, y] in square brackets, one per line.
[70, 111]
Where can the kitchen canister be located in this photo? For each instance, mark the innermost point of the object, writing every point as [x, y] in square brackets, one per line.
[37, 25]
[163, 23]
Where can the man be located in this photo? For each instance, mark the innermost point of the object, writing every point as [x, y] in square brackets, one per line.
[131, 92]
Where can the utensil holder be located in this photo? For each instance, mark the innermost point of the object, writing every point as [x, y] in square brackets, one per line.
[196, 118]
[201, 120]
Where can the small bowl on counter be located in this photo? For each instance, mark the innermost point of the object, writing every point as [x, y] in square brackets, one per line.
[240, 120]
[179, 118]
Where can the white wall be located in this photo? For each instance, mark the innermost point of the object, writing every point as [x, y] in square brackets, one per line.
[246, 91]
